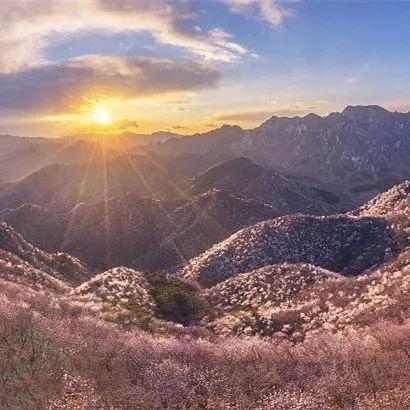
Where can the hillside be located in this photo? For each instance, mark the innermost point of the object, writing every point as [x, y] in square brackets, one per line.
[333, 303]
[267, 286]
[17, 270]
[348, 244]
[59, 265]
[84, 343]
[201, 222]
[340, 243]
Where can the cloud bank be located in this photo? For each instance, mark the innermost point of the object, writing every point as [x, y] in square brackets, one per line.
[62, 87]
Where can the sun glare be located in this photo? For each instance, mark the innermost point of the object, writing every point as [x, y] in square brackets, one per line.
[101, 116]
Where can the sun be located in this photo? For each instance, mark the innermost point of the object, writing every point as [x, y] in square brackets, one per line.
[101, 116]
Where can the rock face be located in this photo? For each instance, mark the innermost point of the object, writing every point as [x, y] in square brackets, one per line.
[357, 148]
[340, 243]
[243, 177]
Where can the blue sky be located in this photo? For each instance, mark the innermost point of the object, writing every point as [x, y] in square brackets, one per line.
[243, 61]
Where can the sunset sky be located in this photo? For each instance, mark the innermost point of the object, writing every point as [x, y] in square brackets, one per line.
[192, 65]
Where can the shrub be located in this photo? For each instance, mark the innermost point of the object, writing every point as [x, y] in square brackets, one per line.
[176, 299]
[51, 358]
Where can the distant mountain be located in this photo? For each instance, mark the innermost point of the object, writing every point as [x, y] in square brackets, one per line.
[124, 140]
[233, 175]
[66, 185]
[362, 148]
[20, 156]
[221, 140]
[249, 180]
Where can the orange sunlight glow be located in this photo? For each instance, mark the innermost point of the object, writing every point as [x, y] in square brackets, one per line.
[101, 116]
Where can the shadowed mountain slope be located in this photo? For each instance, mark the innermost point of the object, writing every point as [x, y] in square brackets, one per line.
[139, 231]
[66, 185]
[249, 180]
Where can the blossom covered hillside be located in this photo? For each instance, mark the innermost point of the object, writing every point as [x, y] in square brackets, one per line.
[64, 357]
[16, 270]
[341, 243]
[115, 292]
[59, 265]
[335, 304]
[267, 286]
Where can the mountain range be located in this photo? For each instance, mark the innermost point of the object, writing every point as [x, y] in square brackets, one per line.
[155, 202]
[362, 148]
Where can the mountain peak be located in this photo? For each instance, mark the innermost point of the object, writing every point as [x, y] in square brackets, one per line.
[360, 110]
[230, 127]
[312, 116]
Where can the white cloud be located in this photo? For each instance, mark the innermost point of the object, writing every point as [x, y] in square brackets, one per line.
[269, 10]
[352, 80]
[29, 26]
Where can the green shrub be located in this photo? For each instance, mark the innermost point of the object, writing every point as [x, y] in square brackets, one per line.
[176, 299]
